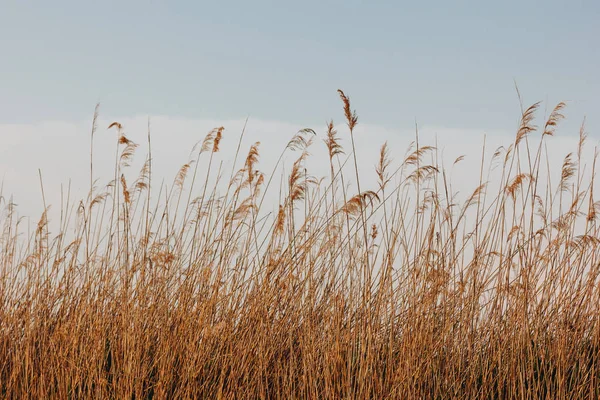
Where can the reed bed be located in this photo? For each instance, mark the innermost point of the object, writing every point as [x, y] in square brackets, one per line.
[200, 289]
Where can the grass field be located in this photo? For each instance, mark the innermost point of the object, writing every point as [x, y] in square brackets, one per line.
[195, 290]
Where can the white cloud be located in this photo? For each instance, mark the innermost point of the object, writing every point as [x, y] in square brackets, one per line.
[61, 151]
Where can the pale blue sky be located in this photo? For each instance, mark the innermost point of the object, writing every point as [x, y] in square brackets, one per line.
[445, 63]
[192, 66]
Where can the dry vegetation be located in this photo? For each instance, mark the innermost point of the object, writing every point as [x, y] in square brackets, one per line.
[393, 291]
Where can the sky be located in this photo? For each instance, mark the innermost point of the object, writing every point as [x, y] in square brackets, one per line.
[450, 67]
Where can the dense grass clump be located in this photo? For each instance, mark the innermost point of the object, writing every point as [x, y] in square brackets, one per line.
[197, 290]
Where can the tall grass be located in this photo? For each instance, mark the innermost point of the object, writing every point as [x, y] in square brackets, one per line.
[196, 290]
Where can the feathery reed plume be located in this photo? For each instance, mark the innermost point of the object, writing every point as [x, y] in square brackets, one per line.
[422, 173]
[297, 185]
[141, 182]
[244, 209]
[42, 223]
[251, 160]
[582, 138]
[526, 126]
[260, 180]
[217, 140]
[351, 117]
[381, 169]
[299, 141]
[332, 141]
[555, 117]
[128, 151]
[416, 157]
[567, 172]
[181, 174]
[356, 204]
[98, 199]
[374, 232]
[513, 188]
[211, 141]
[475, 197]
[126, 194]
[207, 143]
[279, 222]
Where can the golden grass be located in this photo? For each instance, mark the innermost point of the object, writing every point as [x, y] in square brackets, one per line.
[393, 292]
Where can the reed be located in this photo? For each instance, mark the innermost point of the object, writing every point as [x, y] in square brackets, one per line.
[394, 291]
